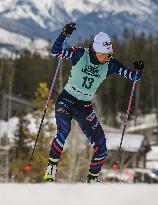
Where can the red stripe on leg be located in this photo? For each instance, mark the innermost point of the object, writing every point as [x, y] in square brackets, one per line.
[96, 163]
[96, 149]
[57, 148]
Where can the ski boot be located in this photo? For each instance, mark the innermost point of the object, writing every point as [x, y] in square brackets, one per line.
[93, 179]
[51, 170]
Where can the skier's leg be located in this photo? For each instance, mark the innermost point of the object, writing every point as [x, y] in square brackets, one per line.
[100, 152]
[63, 116]
[92, 129]
[63, 122]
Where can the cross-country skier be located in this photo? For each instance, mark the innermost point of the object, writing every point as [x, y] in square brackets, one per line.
[90, 66]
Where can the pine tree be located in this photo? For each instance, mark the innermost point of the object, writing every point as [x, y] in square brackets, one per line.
[25, 140]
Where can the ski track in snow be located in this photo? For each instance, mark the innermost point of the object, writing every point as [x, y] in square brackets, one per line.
[78, 194]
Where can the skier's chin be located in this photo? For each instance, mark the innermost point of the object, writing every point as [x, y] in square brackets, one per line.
[103, 61]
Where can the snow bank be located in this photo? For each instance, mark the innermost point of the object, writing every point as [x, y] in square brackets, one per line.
[79, 194]
[9, 128]
[131, 142]
[143, 122]
[153, 153]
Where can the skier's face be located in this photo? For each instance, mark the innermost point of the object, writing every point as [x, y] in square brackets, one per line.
[103, 57]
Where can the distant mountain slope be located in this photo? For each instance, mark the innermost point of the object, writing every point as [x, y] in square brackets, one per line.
[44, 19]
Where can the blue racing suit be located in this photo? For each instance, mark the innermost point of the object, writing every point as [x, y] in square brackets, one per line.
[75, 101]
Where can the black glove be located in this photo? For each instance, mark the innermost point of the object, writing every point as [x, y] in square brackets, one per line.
[69, 28]
[138, 65]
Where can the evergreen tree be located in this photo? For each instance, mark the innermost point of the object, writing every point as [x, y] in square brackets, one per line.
[25, 140]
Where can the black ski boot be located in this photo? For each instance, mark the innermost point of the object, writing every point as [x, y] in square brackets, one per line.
[51, 170]
[93, 179]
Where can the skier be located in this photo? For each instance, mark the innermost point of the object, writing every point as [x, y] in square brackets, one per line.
[90, 66]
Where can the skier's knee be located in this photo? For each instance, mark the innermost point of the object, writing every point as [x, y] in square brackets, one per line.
[103, 151]
[100, 149]
[63, 128]
[62, 134]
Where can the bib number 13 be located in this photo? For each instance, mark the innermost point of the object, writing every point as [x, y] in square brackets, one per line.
[87, 83]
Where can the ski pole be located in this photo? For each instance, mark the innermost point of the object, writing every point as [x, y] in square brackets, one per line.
[116, 165]
[28, 167]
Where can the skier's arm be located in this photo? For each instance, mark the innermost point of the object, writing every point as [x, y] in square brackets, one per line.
[69, 53]
[73, 53]
[115, 67]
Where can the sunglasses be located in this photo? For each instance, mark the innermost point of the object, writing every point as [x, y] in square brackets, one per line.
[105, 54]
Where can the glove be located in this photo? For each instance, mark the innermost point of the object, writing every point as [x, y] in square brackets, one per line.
[138, 65]
[69, 28]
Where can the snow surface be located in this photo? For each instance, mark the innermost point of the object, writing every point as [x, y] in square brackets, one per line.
[78, 194]
[153, 153]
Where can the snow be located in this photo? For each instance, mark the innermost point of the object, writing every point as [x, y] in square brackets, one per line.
[77, 194]
[38, 44]
[34, 123]
[83, 6]
[9, 128]
[153, 154]
[152, 164]
[16, 9]
[131, 142]
[5, 4]
[6, 36]
[51, 15]
[23, 9]
[143, 122]
[5, 53]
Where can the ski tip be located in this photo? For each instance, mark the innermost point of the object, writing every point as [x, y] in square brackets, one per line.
[28, 168]
[115, 166]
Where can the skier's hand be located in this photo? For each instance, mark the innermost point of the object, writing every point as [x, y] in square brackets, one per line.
[138, 65]
[69, 28]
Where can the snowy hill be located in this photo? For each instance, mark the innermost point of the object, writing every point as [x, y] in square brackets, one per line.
[64, 194]
[43, 19]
